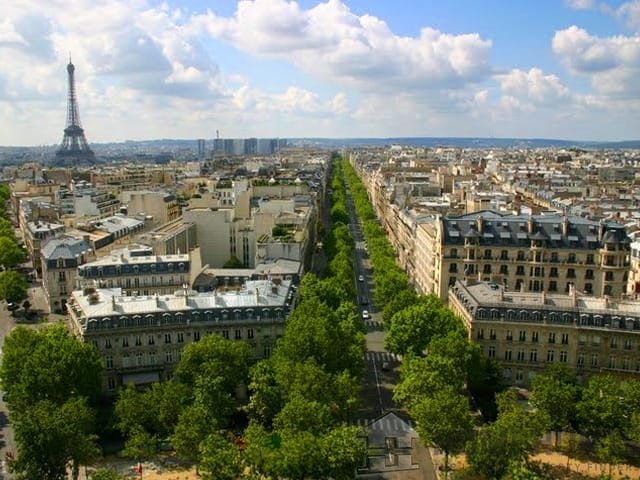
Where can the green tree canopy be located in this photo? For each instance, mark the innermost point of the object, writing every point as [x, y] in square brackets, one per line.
[13, 286]
[602, 408]
[556, 394]
[10, 253]
[444, 418]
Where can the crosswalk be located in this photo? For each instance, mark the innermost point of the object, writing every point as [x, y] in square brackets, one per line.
[382, 357]
[373, 323]
[384, 424]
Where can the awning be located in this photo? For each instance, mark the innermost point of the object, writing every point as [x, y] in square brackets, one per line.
[141, 378]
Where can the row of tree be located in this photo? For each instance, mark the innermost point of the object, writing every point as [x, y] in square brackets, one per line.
[296, 402]
[13, 285]
[441, 370]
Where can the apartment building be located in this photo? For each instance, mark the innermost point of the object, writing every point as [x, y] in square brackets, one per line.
[633, 286]
[547, 252]
[526, 332]
[36, 234]
[141, 338]
[136, 270]
[60, 259]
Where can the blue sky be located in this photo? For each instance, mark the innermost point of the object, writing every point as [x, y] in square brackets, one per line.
[339, 68]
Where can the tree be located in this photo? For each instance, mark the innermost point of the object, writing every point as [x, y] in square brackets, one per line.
[233, 262]
[444, 418]
[266, 396]
[10, 253]
[555, 393]
[413, 328]
[140, 444]
[6, 227]
[48, 364]
[51, 436]
[105, 474]
[602, 408]
[220, 458]
[512, 438]
[193, 427]
[343, 452]
[611, 449]
[13, 286]
[214, 356]
[302, 415]
[51, 379]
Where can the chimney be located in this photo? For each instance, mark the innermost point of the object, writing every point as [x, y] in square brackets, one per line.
[601, 230]
[543, 297]
[480, 223]
[565, 226]
[573, 294]
[530, 225]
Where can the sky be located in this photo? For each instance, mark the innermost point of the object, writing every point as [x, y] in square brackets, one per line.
[147, 69]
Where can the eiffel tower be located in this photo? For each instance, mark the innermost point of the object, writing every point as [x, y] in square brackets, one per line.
[74, 149]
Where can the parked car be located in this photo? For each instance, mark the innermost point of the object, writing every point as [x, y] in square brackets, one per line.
[360, 278]
[365, 314]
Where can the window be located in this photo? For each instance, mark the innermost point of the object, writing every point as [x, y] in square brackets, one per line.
[533, 355]
[453, 253]
[249, 333]
[487, 254]
[111, 384]
[554, 258]
[487, 269]
[107, 343]
[571, 273]
[520, 270]
[492, 334]
[152, 340]
[614, 342]
[553, 272]
[563, 356]
[453, 268]
[504, 255]
[520, 355]
[565, 339]
[552, 337]
[108, 361]
[238, 334]
[523, 335]
[480, 334]
[608, 276]
[628, 344]
[62, 276]
[138, 340]
[492, 352]
[551, 355]
[594, 360]
[168, 356]
[507, 354]
[196, 336]
[167, 338]
[520, 256]
[139, 359]
[125, 360]
[553, 286]
[571, 258]
[588, 274]
[612, 362]
[580, 360]
[180, 337]
[626, 364]
[534, 337]
[225, 334]
[588, 288]
[590, 259]
[152, 358]
[504, 270]
[509, 335]
[125, 341]
[608, 290]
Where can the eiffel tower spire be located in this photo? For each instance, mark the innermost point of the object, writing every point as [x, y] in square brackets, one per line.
[74, 148]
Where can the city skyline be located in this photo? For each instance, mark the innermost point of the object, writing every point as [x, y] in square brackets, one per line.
[340, 68]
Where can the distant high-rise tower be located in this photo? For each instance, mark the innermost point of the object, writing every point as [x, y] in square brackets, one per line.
[74, 148]
[202, 149]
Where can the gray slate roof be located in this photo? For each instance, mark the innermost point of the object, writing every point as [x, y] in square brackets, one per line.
[64, 247]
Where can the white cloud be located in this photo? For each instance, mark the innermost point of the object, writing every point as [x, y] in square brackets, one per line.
[356, 51]
[629, 13]
[534, 86]
[580, 4]
[611, 63]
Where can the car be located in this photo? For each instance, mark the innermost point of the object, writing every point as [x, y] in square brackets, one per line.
[365, 314]
[386, 366]
[360, 278]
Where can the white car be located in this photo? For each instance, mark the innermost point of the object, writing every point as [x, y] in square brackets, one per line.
[360, 278]
[365, 314]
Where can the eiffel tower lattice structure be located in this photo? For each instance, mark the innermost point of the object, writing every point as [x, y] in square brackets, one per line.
[74, 149]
